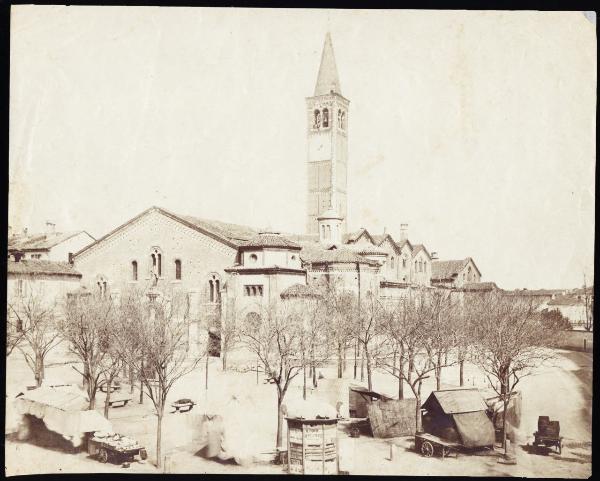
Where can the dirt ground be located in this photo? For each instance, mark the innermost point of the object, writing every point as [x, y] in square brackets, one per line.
[561, 390]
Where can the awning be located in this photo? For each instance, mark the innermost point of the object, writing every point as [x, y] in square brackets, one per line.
[475, 429]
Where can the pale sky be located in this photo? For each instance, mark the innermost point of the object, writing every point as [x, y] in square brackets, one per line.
[475, 128]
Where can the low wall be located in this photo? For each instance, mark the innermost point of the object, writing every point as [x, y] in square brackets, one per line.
[578, 341]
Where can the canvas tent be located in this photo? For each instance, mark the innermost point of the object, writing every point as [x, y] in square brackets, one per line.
[63, 410]
[458, 415]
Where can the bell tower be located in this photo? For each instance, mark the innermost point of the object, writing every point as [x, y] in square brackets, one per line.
[327, 118]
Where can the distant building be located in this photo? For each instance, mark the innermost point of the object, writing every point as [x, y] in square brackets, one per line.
[42, 281]
[455, 273]
[49, 245]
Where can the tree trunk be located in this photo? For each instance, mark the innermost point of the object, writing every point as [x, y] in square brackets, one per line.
[159, 438]
[314, 376]
[344, 359]
[362, 363]
[400, 380]
[224, 358]
[461, 366]
[278, 440]
[304, 382]
[438, 372]
[369, 369]
[131, 379]
[355, 359]
[418, 426]
[206, 370]
[506, 399]
[39, 370]
[141, 392]
[107, 400]
[340, 362]
[503, 380]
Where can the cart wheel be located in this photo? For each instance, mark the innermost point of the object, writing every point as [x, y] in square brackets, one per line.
[143, 454]
[427, 449]
[103, 455]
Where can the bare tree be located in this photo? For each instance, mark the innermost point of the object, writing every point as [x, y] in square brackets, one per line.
[154, 342]
[342, 312]
[88, 326]
[511, 340]
[229, 334]
[35, 320]
[410, 331]
[15, 330]
[275, 336]
[372, 315]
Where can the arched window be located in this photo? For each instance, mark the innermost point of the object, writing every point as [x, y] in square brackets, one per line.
[177, 269]
[214, 288]
[156, 262]
[416, 266]
[328, 232]
[323, 230]
[340, 118]
[404, 262]
[317, 121]
[325, 118]
[392, 262]
[134, 272]
[343, 120]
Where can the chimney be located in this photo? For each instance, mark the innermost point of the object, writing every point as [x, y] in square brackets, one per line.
[50, 227]
[384, 230]
[434, 256]
[25, 231]
[403, 232]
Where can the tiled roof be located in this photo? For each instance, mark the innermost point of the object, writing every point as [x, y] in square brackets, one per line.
[301, 291]
[366, 249]
[480, 286]
[41, 267]
[417, 248]
[535, 292]
[234, 233]
[354, 236]
[313, 253]
[40, 241]
[378, 238]
[447, 269]
[269, 239]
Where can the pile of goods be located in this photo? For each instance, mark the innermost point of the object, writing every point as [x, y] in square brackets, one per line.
[116, 441]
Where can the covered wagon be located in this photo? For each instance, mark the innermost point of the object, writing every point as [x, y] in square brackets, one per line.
[452, 420]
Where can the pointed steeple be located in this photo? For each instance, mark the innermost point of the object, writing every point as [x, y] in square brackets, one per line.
[327, 80]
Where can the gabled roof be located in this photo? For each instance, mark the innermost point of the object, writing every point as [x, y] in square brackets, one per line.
[327, 79]
[233, 235]
[44, 241]
[449, 269]
[455, 401]
[353, 237]
[41, 267]
[400, 244]
[270, 239]
[418, 248]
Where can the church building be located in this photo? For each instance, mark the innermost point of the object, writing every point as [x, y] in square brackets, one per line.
[228, 271]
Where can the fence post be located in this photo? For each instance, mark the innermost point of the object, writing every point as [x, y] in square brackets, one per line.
[585, 345]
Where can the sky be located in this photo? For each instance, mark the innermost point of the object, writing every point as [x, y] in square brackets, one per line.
[477, 129]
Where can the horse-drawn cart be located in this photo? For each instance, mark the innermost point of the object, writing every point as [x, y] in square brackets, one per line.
[548, 434]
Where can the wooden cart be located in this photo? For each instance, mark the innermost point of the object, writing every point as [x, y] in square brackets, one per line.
[104, 452]
[548, 434]
[428, 444]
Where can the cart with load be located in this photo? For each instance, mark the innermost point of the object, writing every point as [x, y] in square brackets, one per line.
[454, 420]
[548, 434]
[107, 446]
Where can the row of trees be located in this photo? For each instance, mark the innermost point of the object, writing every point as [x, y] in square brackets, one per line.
[145, 333]
[412, 339]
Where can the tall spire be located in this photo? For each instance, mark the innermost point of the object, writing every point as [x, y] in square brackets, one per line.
[327, 80]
